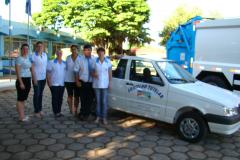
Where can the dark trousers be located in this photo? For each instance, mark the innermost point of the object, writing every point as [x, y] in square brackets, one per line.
[86, 96]
[57, 98]
[38, 94]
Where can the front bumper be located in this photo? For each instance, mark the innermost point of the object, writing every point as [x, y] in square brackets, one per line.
[223, 124]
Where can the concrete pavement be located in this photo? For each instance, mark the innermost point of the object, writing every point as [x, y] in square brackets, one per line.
[125, 137]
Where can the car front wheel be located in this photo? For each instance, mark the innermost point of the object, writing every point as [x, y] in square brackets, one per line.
[191, 127]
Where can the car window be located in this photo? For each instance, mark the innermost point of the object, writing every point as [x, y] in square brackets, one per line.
[119, 72]
[143, 71]
[174, 73]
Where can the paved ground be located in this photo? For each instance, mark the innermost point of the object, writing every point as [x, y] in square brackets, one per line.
[126, 137]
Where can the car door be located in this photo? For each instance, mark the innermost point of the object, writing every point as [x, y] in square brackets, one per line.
[117, 94]
[146, 92]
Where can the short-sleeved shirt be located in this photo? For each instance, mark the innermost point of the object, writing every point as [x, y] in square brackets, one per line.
[57, 72]
[25, 65]
[40, 65]
[70, 76]
[102, 70]
[83, 67]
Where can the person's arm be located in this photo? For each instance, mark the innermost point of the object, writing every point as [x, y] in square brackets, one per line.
[33, 75]
[76, 72]
[94, 71]
[49, 70]
[17, 69]
[110, 76]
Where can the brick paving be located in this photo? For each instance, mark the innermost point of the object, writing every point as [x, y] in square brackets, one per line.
[125, 137]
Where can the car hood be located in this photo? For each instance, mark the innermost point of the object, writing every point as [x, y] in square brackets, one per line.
[207, 92]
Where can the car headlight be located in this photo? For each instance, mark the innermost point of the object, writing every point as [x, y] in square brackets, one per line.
[231, 111]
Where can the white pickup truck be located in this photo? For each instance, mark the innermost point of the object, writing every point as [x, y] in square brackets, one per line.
[162, 90]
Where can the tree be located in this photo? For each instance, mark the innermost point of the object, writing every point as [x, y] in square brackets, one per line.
[106, 23]
[180, 16]
[51, 16]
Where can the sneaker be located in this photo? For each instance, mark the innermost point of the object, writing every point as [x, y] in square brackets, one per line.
[38, 115]
[25, 119]
[97, 120]
[105, 121]
[41, 113]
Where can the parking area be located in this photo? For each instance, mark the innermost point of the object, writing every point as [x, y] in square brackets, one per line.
[125, 137]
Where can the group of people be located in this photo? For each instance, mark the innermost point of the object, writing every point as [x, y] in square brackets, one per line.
[84, 76]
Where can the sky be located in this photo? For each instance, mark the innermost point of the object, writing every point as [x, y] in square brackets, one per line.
[161, 10]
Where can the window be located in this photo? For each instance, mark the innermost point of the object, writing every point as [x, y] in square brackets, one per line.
[45, 45]
[143, 71]
[174, 73]
[16, 44]
[57, 46]
[121, 69]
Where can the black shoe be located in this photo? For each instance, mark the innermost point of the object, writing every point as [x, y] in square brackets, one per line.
[59, 115]
[81, 117]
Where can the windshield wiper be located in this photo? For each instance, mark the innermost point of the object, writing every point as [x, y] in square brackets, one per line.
[178, 79]
[192, 81]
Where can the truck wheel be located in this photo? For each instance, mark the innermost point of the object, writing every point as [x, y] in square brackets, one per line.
[191, 127]
[216, 81]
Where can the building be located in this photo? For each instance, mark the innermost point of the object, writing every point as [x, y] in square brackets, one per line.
[10, 45]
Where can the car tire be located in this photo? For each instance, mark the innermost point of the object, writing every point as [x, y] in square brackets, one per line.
[191, 127]
[216, 81]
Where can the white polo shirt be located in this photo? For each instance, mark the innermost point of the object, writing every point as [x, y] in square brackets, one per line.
[70, 76]
[57, 72]
[40, 65]
[102, 70]
[83, 67]
[25, 65]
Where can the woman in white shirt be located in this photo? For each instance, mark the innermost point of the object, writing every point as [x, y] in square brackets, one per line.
[101, 83]
[56, 70]
[24, 72]
[70, 83]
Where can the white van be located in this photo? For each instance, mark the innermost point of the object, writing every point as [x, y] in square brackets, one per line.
[162, 90]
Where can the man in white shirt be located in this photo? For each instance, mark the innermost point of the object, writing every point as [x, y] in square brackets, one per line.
[56, 70]
[39, 60]
[83, 69]
[70, 82]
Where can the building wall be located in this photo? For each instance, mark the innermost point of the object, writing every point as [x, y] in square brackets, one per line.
[7, 58]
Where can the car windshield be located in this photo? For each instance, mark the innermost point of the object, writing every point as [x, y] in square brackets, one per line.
[174, 73]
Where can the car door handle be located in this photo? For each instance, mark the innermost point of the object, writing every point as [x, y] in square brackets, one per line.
[129, 84]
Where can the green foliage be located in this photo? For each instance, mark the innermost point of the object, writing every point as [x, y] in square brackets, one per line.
[51, 14]
[180, 16]
[105, 23]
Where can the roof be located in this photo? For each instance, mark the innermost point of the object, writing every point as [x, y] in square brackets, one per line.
[21, 29]
[219, 23]
[144, 57]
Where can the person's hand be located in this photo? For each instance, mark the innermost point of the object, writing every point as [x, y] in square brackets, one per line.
[110, 86]
[49, 84]
[35, 82]
[95, 75]
[22, 86]
[78, 83]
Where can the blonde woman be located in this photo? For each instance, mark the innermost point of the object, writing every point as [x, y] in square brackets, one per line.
[56, 70]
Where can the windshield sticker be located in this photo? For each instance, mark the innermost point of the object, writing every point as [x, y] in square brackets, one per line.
[146, 87]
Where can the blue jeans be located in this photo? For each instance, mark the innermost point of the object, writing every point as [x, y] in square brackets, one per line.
[101, 98]
[38, 94]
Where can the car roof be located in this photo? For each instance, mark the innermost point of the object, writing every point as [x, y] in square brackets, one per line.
[145, 57]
